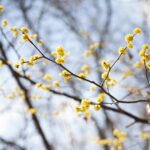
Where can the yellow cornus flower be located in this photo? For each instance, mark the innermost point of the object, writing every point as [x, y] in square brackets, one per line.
[16, 66]
[130, 45]
[105, 64]
[25, 37]
[92, 87]
[145, 47]
[82, 76]
[60, 60]
[60, 51]
[1, 63]
[97, 107]
[21, 61]
[87, 53]
[144, 135]
[4, 23]
[66, 75]
[100, 98]
[24, 30]
[33, 111]
[148, 65]
[138, 65]
[104, 75]
[122, 50]
[85, 103]
[40, 42]
[47, 77]
[1, 8]
[137, 31]
[56, 84]
[129, 38]
[85, 69]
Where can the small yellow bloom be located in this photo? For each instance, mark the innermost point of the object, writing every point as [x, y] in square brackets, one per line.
[25, 37]
[56, 84]
[137, 31]
[47, 77]
[40, 42]
[122, 50]
[82, 76]
[105, 64]
[138, 65]
[148, 65]
[60, 51]
[130, 45]
[4, 23]
[33, 111]
[145, 47]
[21, 61]
[1, 8]
[16, 66]
[97, 107]
[104, 75]
[66, 75]
[1, 63]
[129, 38]
[60, 60]
[24, 30]
[86, 69]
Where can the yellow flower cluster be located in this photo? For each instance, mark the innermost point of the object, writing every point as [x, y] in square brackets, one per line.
[33, 59]
[32, 111]
[66, 75]
[1, 8]
[105, 64]
[47, 77]
[4, 23]
[56, 84]
[129, 39]
[14, 31]
[144, 135]
[42, 86]
[1, 63]
[108, 81]
[115, 143]
[145, 55]
[127, 73]
[59, 55]
[85, 105]
[85, 69]
[91, 50]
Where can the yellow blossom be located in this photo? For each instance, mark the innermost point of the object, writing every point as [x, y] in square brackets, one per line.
[137, 31]
[47, 77]
[97, 107]
[122, 50]
[130, 45]
[60, 51]
[4, 23]
[129, 38]
[148, 65]
[24, 30]
[138, 65]
[105, 64]
[60, 60]
[40, 42]
[1, 8]
[25, 37]
[66, 75]
[56, 84]
[82, 76]
[1, 63]
[86, 69]
[21, 61]
[16, 66]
